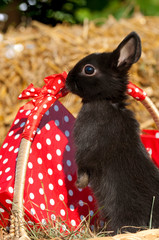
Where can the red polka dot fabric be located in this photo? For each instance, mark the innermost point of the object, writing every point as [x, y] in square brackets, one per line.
[136, 92]
[50, 191]
[150, 139]
[43, 98]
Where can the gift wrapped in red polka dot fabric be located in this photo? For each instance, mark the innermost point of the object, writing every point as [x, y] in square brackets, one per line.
[50, 192]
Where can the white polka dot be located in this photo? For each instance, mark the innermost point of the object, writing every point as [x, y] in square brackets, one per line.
[39, 160]
[0, 156]
[2, 210]
[17, 136]
[31, 181]
[0, 172]
[67, 133]
[32, 90]
[73, 222]
[51, 187]
[11, 148]
[69, 177]
[56, 108]
[41, 191]
[68, 148]
[157, 135]
[32, 210]
[7, 170]
[28, 127]
[61, 197]
[57, 123]
[58, 152]
[49, 90]
[68, 162]
[5, 161]
[92, 228]
[22, 110]
[38, 131]
[62, 212]
[149, 150]
[90, 198]
[28, 93]
[66, 118]
[81, 203]
[43, 221]
[20, 96]
[31, 195]
[47, 126]
[72, 208]
[9, 178]
[129, 90]
[30, 150]
[45, 106]
[60, 182]
[70, 192]
[59, 167]
[91, 213]
[39, 146]
[11, 133]
[30, 165]
[5, 145]
[28, 112]
[16, 121]
[49, 156]
[16, 150]
[48, 141]
[52, 202]
[54, 87]
[35, 117]
[57, 137]
[40, 176]
[53, 217]
[59, 81]
[49, 98]
[64, 227]
[136, 90]
[50, 172]
[10, 189]
[22, 124]
[8, 201]
[42, 206]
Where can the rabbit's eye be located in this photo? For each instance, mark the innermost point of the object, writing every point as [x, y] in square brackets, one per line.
[89, 70]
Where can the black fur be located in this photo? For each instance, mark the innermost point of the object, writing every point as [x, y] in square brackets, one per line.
[109, 152]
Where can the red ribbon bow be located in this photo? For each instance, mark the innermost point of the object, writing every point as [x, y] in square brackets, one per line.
[44, 97]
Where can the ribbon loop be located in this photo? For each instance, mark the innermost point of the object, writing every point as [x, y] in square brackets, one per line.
[44, 97]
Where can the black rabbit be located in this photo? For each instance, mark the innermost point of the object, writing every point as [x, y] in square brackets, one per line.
[109, 153]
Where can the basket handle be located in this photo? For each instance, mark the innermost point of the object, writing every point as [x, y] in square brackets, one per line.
[17, 227]
[140, 95]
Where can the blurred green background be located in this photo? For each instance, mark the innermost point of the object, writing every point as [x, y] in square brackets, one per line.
[71, 11]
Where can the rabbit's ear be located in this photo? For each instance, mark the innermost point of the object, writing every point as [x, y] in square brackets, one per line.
[128, 51]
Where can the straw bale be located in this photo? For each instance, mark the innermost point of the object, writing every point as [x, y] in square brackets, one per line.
[30, 54]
